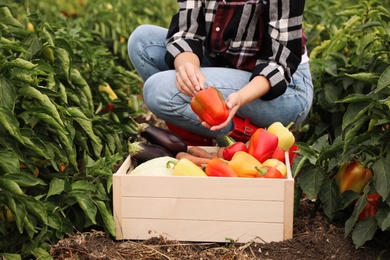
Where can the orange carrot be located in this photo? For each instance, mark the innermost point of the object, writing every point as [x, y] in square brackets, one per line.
[200, 161]
[200, 152]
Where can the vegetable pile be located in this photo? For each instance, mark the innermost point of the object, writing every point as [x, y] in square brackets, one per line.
[261, 157]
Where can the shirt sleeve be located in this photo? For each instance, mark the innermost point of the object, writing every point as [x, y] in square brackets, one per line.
[281, 49]
[186, 32]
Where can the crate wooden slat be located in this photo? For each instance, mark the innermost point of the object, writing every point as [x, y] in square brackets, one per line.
[202, 208]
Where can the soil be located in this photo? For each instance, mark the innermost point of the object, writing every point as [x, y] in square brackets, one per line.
[314, 237]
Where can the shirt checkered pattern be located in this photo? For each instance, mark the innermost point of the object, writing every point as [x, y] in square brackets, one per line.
[264, 37]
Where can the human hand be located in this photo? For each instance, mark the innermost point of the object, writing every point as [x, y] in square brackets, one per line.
[233, 103]
[189, 79]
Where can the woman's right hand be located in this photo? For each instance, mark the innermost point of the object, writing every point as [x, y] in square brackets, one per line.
[189, 77]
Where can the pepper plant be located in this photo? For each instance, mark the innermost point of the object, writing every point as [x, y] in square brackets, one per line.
[58, 146]
[350, 117]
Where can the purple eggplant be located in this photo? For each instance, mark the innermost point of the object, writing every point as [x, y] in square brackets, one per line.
[162, 137]
[142, 152]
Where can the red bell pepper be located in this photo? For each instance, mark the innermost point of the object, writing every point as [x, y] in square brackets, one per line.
[262, 144]
[353, 176]
[210, 106]
[279, 154]
[219, 168]
[292, 153]
[229, 151]
[371, 207]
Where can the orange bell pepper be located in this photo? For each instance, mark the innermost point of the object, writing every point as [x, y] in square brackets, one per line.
[219, 168]
[210, 106]
[353, 176]
[244, 164]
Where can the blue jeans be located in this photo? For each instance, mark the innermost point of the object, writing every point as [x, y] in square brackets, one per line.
[146, 48]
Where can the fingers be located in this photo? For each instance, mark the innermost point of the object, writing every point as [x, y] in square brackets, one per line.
[189, 79]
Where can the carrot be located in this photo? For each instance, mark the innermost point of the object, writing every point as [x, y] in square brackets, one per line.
[220, 152]
[200, 161]
[200, 152]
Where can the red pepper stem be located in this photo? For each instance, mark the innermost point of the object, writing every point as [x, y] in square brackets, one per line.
[290, 125]
[262, 171]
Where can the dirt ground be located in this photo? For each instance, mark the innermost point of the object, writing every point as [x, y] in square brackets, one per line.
[314, 237]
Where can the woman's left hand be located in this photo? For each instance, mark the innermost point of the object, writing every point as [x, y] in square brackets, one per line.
[233, 102]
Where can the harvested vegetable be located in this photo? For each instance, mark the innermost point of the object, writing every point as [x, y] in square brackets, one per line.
[200, 152]
[143, 152]
[185, 167]
[197, 160]
[155, 167]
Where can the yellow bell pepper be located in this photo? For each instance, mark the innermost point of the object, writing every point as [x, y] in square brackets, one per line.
[185, 167]
[285, 137]
[245, 164]
[107, 88]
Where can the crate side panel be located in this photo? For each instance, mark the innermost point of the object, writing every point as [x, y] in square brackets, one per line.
[288, 208]
[203, 187]
[117, 203]
[203, 209]
[206, 231]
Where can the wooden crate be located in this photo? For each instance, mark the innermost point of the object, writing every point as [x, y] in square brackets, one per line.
[204, 209]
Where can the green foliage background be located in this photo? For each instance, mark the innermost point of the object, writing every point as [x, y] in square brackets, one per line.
[56, 121]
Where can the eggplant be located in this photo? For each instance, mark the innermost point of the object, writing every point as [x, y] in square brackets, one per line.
[163, 137]
[142, 152]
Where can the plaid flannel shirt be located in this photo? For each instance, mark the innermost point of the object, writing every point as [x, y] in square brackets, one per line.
[264, 37]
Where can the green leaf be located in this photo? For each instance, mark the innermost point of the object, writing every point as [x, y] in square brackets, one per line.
[86, 124]
[329, 196]
[41, 254]
[37, 208]
[44, 101]
[64, 59]
[383, 217]
[6, 18]
[9, 256]
[367, 77]
[20, 64]
[311, 180]
[23, 180]
[9, 162]
[11, 186]
[40, 147]
[381, 172]
[384, 80]
[354, 113]
[7, 94]
[10, 123]
[86, 203]
[307, 151]
[57, 186]
[351, 132]
[364, 231]
[107, 217]
[355, 98]
[83, 185]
